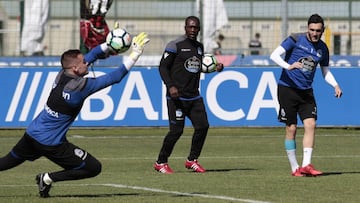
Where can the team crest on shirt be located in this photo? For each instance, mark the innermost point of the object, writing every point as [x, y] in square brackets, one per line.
[193, 64]
[308, 63]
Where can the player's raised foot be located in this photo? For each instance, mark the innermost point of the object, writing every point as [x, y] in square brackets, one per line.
[310, 170]
[43, 187]
[297, 173]
[195, 166]
[163, 168]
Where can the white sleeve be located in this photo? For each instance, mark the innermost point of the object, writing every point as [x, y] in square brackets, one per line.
[276, 56]
[104, 47]
[129, 62]
[328, 76]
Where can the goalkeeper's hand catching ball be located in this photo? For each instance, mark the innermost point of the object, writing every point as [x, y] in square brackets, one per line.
[138, 45]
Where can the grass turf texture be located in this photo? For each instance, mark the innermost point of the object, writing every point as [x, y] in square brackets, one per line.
[244, 165]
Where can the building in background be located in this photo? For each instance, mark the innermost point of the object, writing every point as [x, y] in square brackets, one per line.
[163, 19]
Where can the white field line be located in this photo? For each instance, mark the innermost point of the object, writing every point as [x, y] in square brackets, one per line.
[184, 193]
[219, 197]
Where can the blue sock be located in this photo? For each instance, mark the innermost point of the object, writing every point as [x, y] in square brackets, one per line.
[290, 144]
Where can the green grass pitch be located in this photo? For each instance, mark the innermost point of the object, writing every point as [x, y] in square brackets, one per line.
[244, 165]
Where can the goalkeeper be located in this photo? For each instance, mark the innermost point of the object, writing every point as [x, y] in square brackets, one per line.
[46, 134]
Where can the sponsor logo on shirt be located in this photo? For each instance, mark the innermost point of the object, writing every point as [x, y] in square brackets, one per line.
[308, 63]
[51, 112]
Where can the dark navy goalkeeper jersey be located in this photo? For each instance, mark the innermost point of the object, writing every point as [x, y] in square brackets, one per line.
[180, 66]
[299, 48]
[66, 99]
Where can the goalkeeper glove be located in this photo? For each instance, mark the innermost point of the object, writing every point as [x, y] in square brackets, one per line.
[138, 44]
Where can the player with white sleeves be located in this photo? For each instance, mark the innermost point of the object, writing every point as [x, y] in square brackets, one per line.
[303, 52]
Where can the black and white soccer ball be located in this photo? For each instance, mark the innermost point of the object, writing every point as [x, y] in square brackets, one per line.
[209, 63]
[119, 40]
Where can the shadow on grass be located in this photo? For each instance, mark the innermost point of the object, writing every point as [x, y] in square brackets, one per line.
[230, 169]
[96, 195]
[334, 173]
[81, 195]
[339, 173]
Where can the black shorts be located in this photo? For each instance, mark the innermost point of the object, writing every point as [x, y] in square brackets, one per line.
[66, 155]
[295, 102]
[193, 109]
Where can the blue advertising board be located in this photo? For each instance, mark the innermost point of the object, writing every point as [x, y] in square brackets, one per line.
[150, 61]
[234, 97]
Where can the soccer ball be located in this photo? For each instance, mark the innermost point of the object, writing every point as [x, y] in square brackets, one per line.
[208, 63]
[119, 40]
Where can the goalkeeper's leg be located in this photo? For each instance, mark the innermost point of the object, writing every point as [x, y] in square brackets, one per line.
[9, 161]
[90, 168]
[78, 163]
[22, 151]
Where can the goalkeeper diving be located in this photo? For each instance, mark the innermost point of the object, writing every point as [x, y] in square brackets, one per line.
[46, 134]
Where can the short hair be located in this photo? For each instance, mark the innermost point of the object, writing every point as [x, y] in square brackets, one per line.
[316, 18]
[194, 18]
[68, 56]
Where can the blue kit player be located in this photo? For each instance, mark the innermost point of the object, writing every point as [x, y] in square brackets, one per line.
[298, 56]
[46, 134]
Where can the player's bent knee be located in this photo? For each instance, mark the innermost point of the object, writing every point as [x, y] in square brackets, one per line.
[96, 169]
[93, 166]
